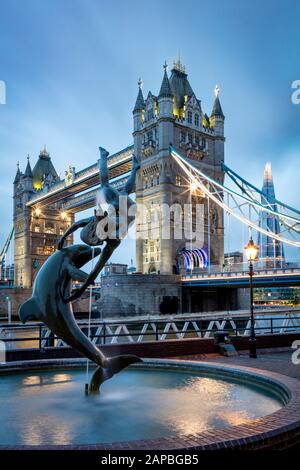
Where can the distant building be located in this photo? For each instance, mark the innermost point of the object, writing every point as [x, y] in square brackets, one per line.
[271, 252]
[112, 269]
[233, 261]
[277, 296]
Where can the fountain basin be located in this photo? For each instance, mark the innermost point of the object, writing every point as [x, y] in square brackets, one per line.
[173, 404]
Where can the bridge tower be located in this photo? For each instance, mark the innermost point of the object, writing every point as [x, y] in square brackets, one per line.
[175, 117]
[36, 231]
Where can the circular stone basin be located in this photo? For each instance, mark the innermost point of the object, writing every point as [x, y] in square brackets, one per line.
[49, 407]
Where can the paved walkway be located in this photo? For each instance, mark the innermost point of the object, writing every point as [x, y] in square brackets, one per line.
[279, 361]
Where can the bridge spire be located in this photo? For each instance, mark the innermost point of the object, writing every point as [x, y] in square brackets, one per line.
[140, 103]
[165, 89]
[217, 108]
[18, 174]
[28, 171]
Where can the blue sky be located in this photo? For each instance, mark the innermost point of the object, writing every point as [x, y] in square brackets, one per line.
[71, 69]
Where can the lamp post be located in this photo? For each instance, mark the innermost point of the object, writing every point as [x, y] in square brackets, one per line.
[251, 252]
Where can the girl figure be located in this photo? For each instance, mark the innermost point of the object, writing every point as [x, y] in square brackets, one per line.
[92, 233]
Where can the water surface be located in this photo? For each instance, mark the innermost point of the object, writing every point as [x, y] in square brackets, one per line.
[50, 407]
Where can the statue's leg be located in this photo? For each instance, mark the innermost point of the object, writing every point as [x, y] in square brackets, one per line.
[129, 186]
[104, 173]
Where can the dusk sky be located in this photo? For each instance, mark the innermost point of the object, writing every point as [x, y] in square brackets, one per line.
[71, 69]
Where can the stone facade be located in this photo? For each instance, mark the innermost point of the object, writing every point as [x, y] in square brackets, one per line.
[175, 117]
[17, 297]
[137, 294]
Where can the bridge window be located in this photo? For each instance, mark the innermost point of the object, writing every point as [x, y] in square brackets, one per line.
[197, 140]
[150, 114]
[182, 136]
[190, 117]
[190, 138]
[196, 120]
[37, 228]
[49, 228]
[150, 135]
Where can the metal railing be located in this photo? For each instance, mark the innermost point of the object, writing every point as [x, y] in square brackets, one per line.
[38, 336]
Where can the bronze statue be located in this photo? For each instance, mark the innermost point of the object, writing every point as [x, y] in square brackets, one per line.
[48, 304]
[111, 198]
[51, 297]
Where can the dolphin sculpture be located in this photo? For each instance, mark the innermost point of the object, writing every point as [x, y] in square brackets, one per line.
[49, 304]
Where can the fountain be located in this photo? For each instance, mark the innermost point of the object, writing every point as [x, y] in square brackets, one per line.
[175, 404]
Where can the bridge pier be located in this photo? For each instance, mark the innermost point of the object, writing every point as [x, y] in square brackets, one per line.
[211, 299]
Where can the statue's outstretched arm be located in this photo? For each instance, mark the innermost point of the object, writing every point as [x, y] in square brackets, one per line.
[129, 186]
[109, 248]
[81, 223]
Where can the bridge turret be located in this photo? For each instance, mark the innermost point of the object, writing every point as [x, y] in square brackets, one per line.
[165, 97]
[43, 169]
[217, 116]
[28, 177]
[18, 175]
[139, 108]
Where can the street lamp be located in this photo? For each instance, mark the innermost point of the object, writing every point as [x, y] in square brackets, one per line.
[251, 252]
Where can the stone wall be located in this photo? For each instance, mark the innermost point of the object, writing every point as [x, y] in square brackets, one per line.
[137, 294]
[18, 295]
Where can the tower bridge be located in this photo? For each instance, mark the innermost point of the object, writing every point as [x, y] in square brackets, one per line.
[64, 193]
[191, 170]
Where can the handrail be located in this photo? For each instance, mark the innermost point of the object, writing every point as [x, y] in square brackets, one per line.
[160, 329]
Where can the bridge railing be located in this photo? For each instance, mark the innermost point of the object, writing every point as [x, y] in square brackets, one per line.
[38, 336]
[242, 269]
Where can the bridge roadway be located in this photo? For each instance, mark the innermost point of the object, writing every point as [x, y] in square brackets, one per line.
[262, 278]
[119, 165]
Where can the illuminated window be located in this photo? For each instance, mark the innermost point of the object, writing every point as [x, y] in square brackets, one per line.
[190, 117]
[178, 180]
[37, 228]
[48, 250]
[197, 120]
[61, 231]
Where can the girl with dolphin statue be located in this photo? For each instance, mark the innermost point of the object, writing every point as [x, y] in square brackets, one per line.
[51, 296]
